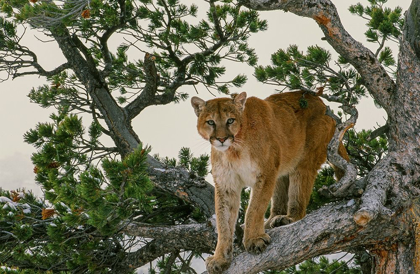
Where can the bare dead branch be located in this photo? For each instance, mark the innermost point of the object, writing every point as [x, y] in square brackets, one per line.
[339, 189]
[55, 18]
[165, 232]
[20, 57]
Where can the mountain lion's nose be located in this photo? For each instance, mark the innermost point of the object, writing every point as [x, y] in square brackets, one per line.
[221, 140]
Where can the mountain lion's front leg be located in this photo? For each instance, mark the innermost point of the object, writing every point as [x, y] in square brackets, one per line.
[255, 238]
[227, 202]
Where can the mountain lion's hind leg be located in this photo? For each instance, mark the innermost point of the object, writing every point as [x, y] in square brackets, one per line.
[301, 182]
[278, 202]
[302, 177]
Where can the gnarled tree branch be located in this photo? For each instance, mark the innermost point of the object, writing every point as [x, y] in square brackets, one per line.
[375, 195]
[197, 237]
[180, 182]
[204, 230]
[375, 77]
[324, 231]
[148, 95]
[339, 189]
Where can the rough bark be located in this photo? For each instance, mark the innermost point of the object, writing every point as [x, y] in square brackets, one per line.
[167, 239]
[385, 219]
[412, 30]
[327, 230]
[176, 181]
[377, 81]
[340, 189]
[184, 185]
[84, 67]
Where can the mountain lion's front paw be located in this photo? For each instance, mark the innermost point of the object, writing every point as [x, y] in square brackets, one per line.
[216, 264]
[257, 245]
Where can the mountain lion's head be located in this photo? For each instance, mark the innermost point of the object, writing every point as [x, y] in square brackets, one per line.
[219, 120]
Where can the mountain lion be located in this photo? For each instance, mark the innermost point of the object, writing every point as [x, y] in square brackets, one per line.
[274, 146]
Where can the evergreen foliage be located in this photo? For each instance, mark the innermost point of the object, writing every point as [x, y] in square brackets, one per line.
[325, 177]
[195, 165]
[78, 225]
[384, 24]
[177, 262]
[364, 151]
[187, 50]
[91, 192]
[323, 265]
[293, 69]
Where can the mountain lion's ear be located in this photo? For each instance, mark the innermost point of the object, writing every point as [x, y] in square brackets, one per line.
[240, 100]
[198, 105]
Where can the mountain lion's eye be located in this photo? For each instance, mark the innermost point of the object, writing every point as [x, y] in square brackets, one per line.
[210, 122]
[230, 121]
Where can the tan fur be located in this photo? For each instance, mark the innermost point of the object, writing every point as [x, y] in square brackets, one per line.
[273, 146]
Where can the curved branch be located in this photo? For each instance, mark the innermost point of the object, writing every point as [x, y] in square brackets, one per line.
[103, 40]
[43, 72]
[375, 77]
[315, 235]
[19, 58]
[197, 237]
[148, 95]
[339, 189]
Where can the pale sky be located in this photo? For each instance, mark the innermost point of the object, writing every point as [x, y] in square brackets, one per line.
[166, 128]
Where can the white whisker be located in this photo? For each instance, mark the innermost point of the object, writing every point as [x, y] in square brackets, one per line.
[200, 147]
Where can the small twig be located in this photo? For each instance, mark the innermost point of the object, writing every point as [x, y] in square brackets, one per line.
[378, 132]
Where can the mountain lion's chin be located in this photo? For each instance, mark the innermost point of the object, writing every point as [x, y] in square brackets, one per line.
[221, 148]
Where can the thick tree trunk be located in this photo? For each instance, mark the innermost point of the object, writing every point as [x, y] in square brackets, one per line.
[396, 258]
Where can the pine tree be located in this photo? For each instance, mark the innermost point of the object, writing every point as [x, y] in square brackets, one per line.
[93, 191]
[116, 208]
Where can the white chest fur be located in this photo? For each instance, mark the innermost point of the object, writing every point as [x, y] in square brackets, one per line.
[235, 174]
